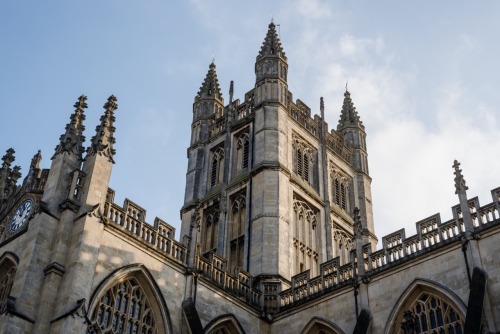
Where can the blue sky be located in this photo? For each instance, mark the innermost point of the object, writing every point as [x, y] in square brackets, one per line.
[424, 77]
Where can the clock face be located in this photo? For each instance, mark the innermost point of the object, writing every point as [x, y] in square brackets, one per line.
[21, 215]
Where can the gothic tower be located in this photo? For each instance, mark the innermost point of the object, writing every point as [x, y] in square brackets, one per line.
[269, 190]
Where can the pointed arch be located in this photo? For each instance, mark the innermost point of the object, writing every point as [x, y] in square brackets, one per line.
[422, 291]
[129, 297]
[8, 269]
[224, 324]
[319, 325]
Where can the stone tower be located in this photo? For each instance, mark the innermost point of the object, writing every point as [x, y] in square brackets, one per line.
[269, 190]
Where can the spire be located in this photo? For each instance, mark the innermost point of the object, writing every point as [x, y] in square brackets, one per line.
[272, 45]
[72, 140]
[210, 87]
[102, 142]
[460, 186]
[349, 116]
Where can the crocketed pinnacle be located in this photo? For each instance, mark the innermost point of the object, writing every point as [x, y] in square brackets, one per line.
[460, 185]
[349, 116]
[272, 45]
[102, 142]
[210, 87]
[72, 140]
[8, 176]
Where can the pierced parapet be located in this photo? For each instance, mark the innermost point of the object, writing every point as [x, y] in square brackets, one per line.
[164, 228]
[133, 210]
[72, 140]
[393, 245]
[460, 185]
[349, 116]
[8, 176]
[428, 230]
[102, 142]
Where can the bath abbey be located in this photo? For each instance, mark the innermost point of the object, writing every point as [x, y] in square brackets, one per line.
[277, 232]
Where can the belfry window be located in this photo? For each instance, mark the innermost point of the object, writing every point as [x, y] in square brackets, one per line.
[123, 309]
[217, 166]
[302, 159]
[242, 152]
[340, 189]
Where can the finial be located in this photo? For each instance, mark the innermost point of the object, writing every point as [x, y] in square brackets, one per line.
[459, 179]
[346, 83]
[272, 18]
[9, 158]
[231, 91]
[321, 105]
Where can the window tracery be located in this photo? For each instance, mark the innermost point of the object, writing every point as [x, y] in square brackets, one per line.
[430, 314]
[211, 230]
[340, 189]
[124, 309]
[303, 159]
[217, 166]
[238, 219]
[342, 244]
[7, 273]
[304, 238]
[242, 151]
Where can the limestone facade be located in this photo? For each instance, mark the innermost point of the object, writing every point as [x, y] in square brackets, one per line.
[277, 232]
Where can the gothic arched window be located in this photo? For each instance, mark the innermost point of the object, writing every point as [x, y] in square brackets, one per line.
[124, 308]
[211, 230]
[7, 273]
[242, 151]
[304, 238]
[340, 189]
[342, 245]
[217, 166]
[302, 157]
[431, 314]
[238, 218]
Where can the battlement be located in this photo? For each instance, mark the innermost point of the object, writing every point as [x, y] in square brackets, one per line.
[131, 220]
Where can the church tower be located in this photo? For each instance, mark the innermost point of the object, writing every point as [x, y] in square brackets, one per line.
[269, 190]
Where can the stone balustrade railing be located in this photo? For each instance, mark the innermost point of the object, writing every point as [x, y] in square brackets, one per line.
[239, 284]
[130, 221]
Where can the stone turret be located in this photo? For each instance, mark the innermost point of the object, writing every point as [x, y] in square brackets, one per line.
[352, 129]
[271, 70]
[208, 105]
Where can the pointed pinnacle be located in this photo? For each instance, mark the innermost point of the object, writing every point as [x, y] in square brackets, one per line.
[9, 158]
[460, 185]
[321, 105]
[72, 140]
[102, 142]
[349, 116]
[210, 86]
[271, 44]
